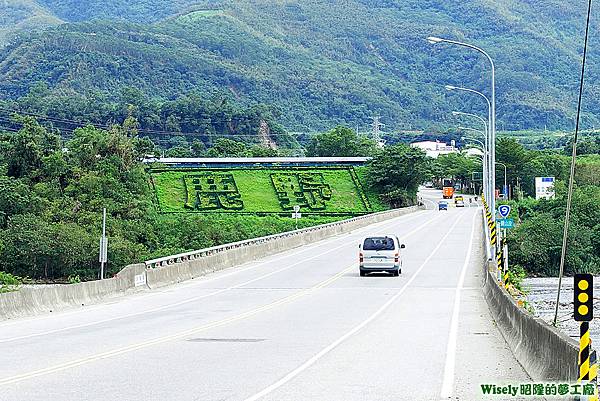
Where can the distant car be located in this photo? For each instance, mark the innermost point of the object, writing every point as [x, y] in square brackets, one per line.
[442, 205]
[380, 254]
[460, 204]
[459, 198]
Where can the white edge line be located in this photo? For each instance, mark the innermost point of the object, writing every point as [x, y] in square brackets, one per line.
[349, 334]
[448, 383]
[189, 300]
[164, 339]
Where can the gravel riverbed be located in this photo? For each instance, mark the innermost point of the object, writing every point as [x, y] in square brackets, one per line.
[542, 297]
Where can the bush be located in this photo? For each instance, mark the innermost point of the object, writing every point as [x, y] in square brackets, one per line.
[536, 243]
[8, 282]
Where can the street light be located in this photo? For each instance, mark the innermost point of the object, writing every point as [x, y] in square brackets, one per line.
[505, 180]
[450, 88]
[483, 145]
[485, 128]
[435, 40]
[483, 158]
[488, 137]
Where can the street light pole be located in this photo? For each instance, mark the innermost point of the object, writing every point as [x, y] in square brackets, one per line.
[505, 179]
[436, 40]
[492, 183]
[485, 128]
[485, 154]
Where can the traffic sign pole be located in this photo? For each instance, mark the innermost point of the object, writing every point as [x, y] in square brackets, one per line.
[296, 214]
[103, 246]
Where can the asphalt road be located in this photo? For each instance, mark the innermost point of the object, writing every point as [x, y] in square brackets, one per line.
[301, 325]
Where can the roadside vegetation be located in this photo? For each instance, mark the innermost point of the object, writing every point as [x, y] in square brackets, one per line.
[536, 242]
[52, 193]
[9, 283]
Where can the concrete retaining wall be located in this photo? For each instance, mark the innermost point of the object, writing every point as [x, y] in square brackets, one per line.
[32, 301]
[544, 351]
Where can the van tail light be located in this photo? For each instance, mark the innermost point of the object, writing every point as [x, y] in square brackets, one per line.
[397, 257]
[361, 257]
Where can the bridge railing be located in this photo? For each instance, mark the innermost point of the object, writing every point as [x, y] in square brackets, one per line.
[193, 255]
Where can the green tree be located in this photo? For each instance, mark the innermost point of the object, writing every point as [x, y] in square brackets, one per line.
[224, 147]
[28, 147]
[340, 142]
[396, 173]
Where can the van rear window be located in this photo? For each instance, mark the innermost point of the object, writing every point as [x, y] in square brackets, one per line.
[379, 244]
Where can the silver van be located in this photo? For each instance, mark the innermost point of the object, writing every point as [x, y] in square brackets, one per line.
[380, 254]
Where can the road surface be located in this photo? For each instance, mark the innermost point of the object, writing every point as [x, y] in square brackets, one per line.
[301, 325]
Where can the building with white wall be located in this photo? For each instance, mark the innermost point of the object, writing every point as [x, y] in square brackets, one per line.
[435, 148]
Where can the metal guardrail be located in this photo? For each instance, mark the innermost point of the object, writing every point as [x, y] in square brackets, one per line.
[184, 257]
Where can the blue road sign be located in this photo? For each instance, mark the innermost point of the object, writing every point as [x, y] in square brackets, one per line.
[506, 223]
[504, 211]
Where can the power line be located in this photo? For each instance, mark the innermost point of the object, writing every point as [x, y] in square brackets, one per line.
[142, 130]
[573, 163]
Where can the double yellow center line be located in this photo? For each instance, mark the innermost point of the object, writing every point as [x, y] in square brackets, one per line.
[186, 333]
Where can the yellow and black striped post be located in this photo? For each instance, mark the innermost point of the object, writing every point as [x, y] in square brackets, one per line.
[493, 232]
[506, 275]
[583, 305]
[499, 261]
[588, 370]
[584, 351]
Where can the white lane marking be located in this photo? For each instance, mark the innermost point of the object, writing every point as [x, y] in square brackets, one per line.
[448, 383]
[355, 330]
[432, 202]
[216, 276]
[189, 300]
[176, 336]
[188, 332]
[290, 253]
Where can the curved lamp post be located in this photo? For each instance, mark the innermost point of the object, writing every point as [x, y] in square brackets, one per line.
[435, 40]
[484, 157]
[488, 175]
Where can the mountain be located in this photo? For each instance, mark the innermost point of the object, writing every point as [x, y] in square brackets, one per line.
[321, 62]
[18, 15]
[137, 10]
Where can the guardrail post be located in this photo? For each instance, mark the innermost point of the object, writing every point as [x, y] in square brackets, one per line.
[499, 259]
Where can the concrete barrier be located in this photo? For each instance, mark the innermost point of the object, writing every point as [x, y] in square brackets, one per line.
[174, 269]
[544, 351]
[36, 300]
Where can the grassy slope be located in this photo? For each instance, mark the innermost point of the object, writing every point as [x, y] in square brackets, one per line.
[323, 62]
[376, 204]
[258, 193]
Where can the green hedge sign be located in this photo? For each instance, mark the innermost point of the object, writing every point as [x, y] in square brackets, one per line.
[323, 190]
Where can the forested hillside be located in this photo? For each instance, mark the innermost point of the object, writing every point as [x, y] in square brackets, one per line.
[320, 62]
[18, 15]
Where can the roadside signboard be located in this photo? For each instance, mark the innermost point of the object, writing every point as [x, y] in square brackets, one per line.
[296, 215]
[506, 223]
[544, 187]
[504, 211]
[103, 250]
